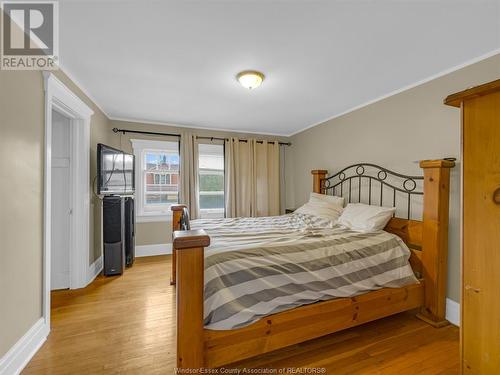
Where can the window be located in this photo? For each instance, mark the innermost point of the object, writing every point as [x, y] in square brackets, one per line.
[157, 176]
[211, 177]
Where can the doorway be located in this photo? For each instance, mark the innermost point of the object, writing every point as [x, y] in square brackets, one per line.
[61, 209]
[66, 249]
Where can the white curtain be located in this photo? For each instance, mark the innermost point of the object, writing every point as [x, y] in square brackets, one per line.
[189, 180]
[252, 178]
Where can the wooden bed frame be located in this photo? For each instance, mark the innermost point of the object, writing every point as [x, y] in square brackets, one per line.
[198, 347]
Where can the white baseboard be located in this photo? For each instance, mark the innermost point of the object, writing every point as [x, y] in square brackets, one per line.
[453, 312]
[14, 361]
[94, 269]
[151, 250]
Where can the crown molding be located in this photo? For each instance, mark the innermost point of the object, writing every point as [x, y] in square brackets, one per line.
[152, 122]
[403, 89]
[82, 88]
[287, 135]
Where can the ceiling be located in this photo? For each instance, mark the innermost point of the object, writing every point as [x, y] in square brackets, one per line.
[175, 61]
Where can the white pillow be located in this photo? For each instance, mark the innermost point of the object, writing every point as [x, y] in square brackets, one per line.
[317, 198]
[323, 209]
[365, 218]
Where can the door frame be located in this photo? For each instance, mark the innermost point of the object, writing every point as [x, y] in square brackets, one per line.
[61, 99]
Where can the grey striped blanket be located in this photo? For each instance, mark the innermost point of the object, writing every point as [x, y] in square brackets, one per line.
[256, 267]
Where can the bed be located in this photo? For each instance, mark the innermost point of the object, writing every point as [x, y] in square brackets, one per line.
[248, 286]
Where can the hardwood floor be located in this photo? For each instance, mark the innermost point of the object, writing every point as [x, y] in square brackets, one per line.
[126, 325]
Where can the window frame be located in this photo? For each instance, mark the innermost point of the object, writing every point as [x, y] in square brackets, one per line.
[215, 211]
[140, 147]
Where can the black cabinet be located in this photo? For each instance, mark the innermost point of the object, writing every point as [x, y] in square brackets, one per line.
[118, 234]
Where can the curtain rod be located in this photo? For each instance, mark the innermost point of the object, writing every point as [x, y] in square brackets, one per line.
[123, 131]
[241, 140]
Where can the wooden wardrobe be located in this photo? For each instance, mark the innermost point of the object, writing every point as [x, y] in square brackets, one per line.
[480, 302]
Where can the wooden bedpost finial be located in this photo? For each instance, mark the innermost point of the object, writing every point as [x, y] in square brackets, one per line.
[318, 176]
[183, 239]
[435, 239]
[439, 163]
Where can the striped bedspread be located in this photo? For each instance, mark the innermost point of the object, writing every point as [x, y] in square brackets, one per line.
[255, 267]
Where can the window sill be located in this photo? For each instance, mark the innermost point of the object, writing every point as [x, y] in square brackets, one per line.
[155, 218]
[212, 210]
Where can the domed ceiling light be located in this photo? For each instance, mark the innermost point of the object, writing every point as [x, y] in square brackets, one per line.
[250, 79]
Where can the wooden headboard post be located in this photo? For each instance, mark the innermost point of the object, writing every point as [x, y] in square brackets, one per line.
[177, 211]
[318, 176]
[435, 239]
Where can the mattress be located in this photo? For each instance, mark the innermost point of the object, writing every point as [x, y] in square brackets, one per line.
[256, 267]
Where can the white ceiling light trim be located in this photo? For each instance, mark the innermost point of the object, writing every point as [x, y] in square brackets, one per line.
[250, 79]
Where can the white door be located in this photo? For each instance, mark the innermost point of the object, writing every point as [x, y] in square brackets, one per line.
[61, 201]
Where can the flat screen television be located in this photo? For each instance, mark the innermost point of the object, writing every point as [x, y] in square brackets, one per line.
[115, 171]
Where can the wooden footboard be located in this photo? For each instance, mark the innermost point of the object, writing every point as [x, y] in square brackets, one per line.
[198, 347]
[306, 323]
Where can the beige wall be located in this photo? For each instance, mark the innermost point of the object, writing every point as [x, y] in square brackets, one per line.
[154, 233]
[395, 133]
[160, 232]
[21, 191]
[21, 198]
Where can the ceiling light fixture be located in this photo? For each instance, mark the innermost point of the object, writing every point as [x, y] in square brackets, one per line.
[250, 79]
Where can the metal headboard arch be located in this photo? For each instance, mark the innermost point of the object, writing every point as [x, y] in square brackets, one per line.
[369, 172]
